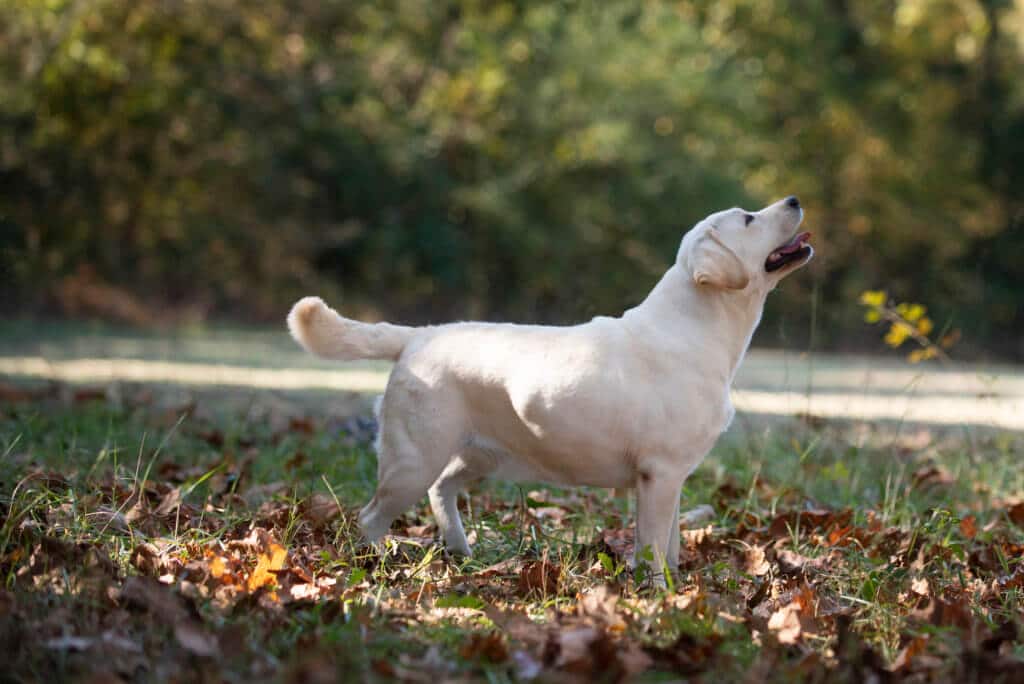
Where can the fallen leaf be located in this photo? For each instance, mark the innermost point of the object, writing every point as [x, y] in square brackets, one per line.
[754, 561]
[88, 394]
[272, 559]
[791, 562]
[159, 600]
[619, 542]
[296, 461]
[785, 622]
[304, 592]
[601, 603]
[968, 527]
[489, 647]
[171, 500]
[526, 666]
[304, 426]
[10, 393]
[573, 647]
[1016, 513]
[540, 576]
[932, 476]
[688, 654]
[195, 639]
[320, 509]
[905, 656]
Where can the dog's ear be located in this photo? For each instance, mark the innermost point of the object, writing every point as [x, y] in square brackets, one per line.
[713, 263]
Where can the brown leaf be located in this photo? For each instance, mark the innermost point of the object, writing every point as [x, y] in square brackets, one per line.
[903, 660]
[600, 603]
[754, 561]
[932, 476]
[944, 614]
[633, 660]
[968, 527]
[509, 566]
[489, 647]
[195, 639]
[573, 647]
[296, 461]
[540, 576]
[689, 654]
[517, 625]
[302, 425]
[795, 618]
[159, 600]
[618, 542]
[785, 622]
[214, 438]
[88, 394]
[10, 393]
[171, 500]
[694, 538]
[791, 562]
[1016, 513]
[320, 509]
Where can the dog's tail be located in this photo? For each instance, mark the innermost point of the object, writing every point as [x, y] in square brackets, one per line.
[323, 331]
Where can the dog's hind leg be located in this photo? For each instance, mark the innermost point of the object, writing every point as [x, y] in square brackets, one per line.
[404, 475]
[444, 495]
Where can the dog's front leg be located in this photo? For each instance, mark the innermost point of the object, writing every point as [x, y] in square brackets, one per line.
[672, 557]
[444, 495]
[657, 494]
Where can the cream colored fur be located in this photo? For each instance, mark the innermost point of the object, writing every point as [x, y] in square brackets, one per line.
[634, 401]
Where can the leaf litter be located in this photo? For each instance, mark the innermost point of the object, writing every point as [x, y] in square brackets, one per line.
[203, 570]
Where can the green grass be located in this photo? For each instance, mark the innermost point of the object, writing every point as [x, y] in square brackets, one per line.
[877, 520]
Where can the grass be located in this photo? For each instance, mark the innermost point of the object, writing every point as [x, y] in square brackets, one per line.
[151, 544]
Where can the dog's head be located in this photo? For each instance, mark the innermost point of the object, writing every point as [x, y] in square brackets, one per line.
[735, 249]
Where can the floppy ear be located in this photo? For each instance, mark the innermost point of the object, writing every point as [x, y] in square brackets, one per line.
[713, 263]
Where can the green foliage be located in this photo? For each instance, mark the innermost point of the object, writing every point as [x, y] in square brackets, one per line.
[529, 160]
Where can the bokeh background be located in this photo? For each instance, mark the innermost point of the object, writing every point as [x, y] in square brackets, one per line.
[167, 162]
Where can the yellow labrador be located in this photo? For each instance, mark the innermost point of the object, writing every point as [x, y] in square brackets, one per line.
[634, 401]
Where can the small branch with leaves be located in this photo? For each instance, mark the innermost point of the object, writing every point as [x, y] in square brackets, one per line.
[907, 321]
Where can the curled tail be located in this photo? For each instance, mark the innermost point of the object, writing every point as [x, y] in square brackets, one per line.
[323, 331]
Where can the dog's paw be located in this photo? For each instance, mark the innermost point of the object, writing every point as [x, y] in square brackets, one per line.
[459, 552]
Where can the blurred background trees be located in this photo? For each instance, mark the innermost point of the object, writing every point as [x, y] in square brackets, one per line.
[176, 159]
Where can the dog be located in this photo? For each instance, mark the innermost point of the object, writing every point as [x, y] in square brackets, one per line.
[634, 401]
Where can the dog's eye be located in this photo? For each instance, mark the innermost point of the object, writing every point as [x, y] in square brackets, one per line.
[748, 218]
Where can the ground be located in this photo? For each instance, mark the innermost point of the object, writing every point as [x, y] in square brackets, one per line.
[155, 532]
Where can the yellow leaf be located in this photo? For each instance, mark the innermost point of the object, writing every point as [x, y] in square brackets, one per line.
[897, 335]
[919, 355]
[924, 326]
[273, 559]
[872, 316]
[914, 312]
[872, 298]
[217, 567]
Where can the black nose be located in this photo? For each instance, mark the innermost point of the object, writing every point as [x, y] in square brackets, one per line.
[792, 201]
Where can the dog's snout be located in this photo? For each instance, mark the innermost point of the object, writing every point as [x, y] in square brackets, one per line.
[793, 202]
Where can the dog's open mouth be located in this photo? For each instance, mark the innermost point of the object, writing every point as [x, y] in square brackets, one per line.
[796, 249]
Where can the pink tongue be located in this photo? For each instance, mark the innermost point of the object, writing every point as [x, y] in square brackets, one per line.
[795, 244]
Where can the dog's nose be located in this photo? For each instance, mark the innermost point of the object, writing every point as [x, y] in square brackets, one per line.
[793, 202]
